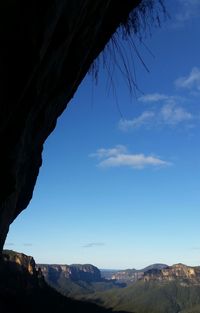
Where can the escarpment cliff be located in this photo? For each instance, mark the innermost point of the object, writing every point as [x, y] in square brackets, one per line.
[18, 275]
[161, 273]
[20, 260]
[133, 275]
[23, 289]
[74, 272]
[177, 272]
[46, 49]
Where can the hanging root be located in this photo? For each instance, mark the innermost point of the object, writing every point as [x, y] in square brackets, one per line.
[116, 55]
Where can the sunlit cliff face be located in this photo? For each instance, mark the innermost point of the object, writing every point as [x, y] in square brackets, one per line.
[26, 263]
[176, 271]
[179, 272]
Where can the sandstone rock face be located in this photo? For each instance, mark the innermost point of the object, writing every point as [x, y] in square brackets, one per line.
[133, 275]
[23, 289]
[74, 272]
[180, 272]
[24, 262]
[46, 49]
[18, 271]
[162, 273]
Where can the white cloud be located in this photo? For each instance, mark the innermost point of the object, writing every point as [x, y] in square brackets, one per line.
[153, 97]
[145, 118]
[188, 9]
[172, 114]
[101, 153]
[190, 81]
[135, 161]
[168, 114]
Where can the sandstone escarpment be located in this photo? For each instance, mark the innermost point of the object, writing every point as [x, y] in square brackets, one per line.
[74, 272]
[22, 271]
[133, 275]
[176, 272]
[23, 289]
[162, 273]
[24, 261]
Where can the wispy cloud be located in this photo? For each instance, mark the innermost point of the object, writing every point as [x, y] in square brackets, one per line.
[191, 81]
[188, 9]
[169, 114]
[93, 244]
[27, 244]
[101, 153]
[195, 248]
[144, 119]
[124, 158]
[153, 97]
[169, 110]
[9, 244]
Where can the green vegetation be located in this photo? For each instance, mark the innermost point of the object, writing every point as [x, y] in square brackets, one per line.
[79, 289]
[23, 292]
[151, 297]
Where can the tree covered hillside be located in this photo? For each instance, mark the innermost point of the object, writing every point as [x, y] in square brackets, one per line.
[152, 297]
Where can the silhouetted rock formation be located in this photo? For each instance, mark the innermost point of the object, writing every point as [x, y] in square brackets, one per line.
[23, 289]
[46, 49]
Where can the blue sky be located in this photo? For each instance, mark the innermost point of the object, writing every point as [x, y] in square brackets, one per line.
[120, 180]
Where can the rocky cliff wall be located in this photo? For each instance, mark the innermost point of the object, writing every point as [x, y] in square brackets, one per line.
[180, 272]
[75, 272]
[23, 261]
[23, 289]
[18, 271]
[46, 49]
[162, 273]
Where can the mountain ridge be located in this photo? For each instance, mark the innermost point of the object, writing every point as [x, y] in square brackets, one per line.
[23, 289]
[75, 272]
[178, 295]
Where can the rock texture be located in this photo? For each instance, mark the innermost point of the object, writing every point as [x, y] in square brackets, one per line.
[177, 272]
[23, 261]
[19, 269]
[23, 289]
[162, 273]
[74, 272]
[46, 49]
[133, 275]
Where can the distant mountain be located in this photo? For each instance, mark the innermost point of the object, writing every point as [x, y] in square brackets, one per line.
[74, 272]
[178, 272]
[156, 266]
[84, 281]
[23, 289]
[158, 289]
[108, 273]
[76, 280]
[133, 275]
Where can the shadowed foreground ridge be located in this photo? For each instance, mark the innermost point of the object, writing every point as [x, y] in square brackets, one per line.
[46, 49]
[23, 289]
